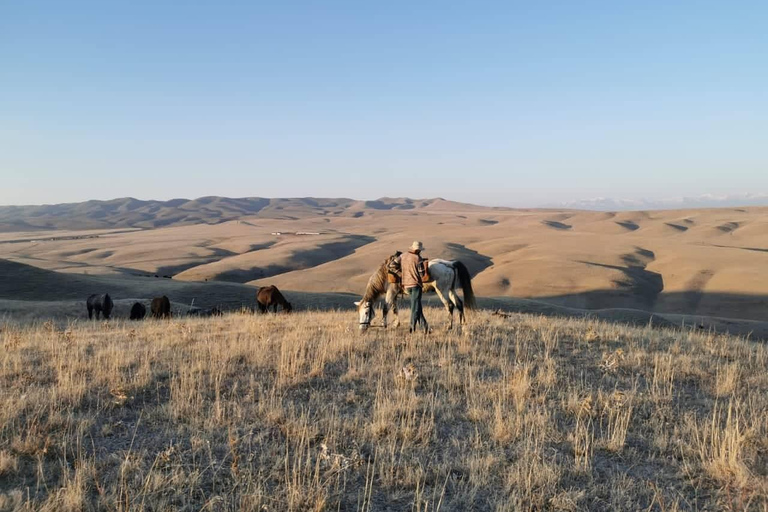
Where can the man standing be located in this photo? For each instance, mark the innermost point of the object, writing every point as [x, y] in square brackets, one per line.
[412, 266]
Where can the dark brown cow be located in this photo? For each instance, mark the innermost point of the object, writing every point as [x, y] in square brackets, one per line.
[270, 296]
[161, 307]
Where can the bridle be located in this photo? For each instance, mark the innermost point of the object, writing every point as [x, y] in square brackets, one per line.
[368, 315]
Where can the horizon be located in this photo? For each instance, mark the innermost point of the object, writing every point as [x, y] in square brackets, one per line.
[705, 201]
[496, 104]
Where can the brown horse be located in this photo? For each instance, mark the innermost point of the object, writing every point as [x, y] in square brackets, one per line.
[161, 307]
[385, 281]
[138, 311]
[270, 296]
[101, 304]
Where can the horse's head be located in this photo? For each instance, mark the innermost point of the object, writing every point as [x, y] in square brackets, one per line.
[106, 307]
[365, 314]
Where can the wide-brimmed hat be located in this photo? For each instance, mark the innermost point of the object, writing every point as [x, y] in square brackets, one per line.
[417, 246]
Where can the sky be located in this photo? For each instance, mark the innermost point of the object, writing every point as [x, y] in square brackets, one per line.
[499, 103]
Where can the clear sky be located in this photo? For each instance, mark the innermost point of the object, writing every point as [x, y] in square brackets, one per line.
[506, 103]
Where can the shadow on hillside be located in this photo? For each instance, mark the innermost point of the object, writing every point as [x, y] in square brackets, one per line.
[299, 260]
[723, 312]
[216, 255]
[474, 261]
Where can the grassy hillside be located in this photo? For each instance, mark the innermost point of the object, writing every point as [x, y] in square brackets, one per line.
[299, 412]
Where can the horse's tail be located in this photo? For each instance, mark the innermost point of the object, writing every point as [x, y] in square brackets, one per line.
[465, 280]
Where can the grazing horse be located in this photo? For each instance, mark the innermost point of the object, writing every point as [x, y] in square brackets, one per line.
[101, 304]
[161, 307]
[270, 296]
[138, 311]
[444, 277]
[384, 281]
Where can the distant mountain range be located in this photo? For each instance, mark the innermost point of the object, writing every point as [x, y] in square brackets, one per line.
[702, 201]
[134, 213]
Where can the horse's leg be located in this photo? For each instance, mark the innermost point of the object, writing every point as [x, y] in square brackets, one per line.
[443, 294]
[391, 301]
[393, 307]
[384, 313]
[274, 308]
[90, 312]
[458, 303]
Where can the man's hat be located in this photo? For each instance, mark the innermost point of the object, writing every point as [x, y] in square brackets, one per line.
[416, 246]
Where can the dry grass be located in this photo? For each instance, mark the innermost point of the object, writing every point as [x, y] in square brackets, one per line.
[301, 413]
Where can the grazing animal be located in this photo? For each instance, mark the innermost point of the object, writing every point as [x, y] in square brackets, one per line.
[445, 276]
[386, 280]
[138, 311]
[270, 296]
[101, 304]
[161, 307]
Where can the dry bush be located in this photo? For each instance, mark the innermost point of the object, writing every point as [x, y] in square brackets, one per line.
[9, 463]
[276, 412]
[722, 445]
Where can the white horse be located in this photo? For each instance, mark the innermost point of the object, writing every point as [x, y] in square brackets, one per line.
[444, 277]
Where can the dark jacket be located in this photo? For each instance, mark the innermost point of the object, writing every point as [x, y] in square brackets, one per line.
[410, 264]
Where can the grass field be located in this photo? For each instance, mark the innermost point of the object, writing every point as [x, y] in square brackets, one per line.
[300, 412]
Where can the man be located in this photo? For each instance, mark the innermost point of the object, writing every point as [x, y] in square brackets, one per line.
[412, 268]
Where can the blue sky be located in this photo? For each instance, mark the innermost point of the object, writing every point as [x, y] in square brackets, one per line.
[504, 103]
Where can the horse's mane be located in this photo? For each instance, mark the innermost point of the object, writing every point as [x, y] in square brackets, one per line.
[377, 283]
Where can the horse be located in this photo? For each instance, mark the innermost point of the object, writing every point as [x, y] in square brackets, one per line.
[444, 275]
[101, 304]
[161, 307]
[270, 296]
[384, 281]
[138, 311]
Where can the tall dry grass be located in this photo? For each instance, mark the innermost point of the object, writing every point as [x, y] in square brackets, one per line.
[299, 412]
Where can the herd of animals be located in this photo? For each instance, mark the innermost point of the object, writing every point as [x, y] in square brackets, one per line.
[268, 297]
[446, 278]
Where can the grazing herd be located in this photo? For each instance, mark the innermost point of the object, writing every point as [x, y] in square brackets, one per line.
[160, 307]
[445, 278]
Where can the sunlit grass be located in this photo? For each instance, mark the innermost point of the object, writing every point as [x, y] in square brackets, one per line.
[299, 412]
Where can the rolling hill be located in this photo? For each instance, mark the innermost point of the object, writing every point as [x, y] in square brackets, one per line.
[703, 262]
[134, 213]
